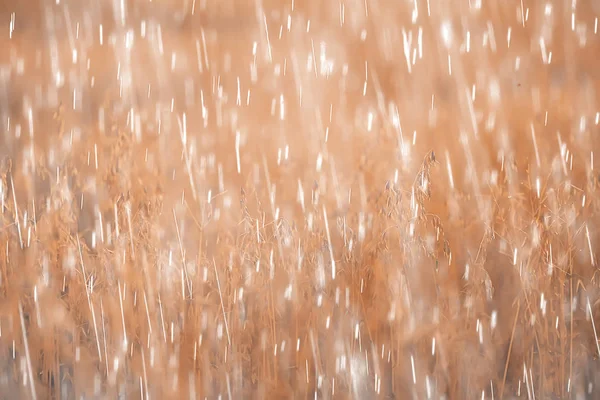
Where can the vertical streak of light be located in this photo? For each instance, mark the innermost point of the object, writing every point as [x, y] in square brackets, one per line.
[204, 50]
[222, 304]
[593, 326]
[587, 233]
[333, 268]
[12, 183]
[268, 40]
[122, 316]
[522, 14]
[237, 152]
[27, 356]
[406, 41]
[199, 57]
[449, 166]
[535, 146]
[472, 113]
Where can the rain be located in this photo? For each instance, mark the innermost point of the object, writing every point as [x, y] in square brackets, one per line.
[299, 199]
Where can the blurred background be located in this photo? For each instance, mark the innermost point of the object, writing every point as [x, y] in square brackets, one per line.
[299, 199]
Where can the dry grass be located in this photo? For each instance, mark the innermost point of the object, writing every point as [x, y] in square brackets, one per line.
[155, 246]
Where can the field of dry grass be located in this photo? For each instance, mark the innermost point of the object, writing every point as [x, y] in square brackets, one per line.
[299, 199]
